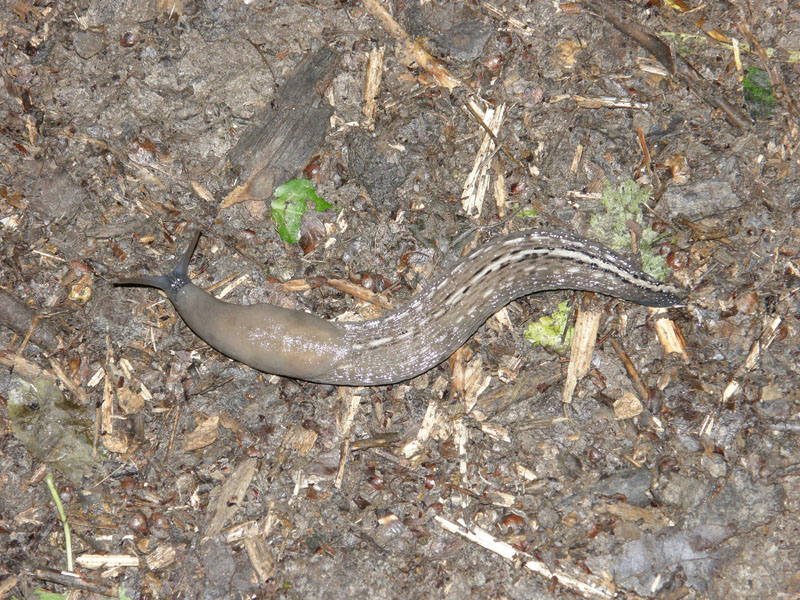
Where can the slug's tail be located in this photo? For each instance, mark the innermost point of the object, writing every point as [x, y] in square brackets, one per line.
[172, 282]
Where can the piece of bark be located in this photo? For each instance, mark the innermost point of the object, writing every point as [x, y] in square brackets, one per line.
[17, 317]
[284, 136]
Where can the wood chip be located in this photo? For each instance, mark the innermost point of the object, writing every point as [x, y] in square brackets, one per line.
[609, 102]
[430, 419]
[161, 558]
[669, 335]
[203, 435]
[129, 401]
[627, 406]
[260, 557]
[360, 292]
[477, 181]
[372, 85]
[230, 497]
[580, 355]
[99, 561]
[300, 439]
[111, 434]
[24, 368]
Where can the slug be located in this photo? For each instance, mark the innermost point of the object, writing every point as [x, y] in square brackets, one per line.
[416, 338]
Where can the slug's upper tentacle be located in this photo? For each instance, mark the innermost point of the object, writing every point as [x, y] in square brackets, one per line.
[416, 338]
[172, 282]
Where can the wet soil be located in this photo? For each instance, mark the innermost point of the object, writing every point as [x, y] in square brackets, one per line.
[197, 477]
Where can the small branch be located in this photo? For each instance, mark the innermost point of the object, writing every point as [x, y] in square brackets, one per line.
[587, 585]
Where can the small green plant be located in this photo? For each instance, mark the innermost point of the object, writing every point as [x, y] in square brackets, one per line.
[45, 595]
[552, 331]
[51, 485]
[122, 594]
[623, 204]
[289, 202]
[758, 94]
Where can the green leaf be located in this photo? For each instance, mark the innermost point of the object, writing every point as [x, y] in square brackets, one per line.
[289, 203]
[552, 331]
[758, 94]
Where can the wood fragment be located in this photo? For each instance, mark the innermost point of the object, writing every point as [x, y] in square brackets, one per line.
[24, 368]
[232, 285]
[627, 406]
[284, 136]
[461, 439]
[586, 585]
[111, 435]
[7, 584]
[762, 343]
[631, 370]
[457, 364]
[372, 85]
[669, 335]
[296, 285]
[496, 432]
[608, 102]
[300, 439]
[260, 557]
[430, 419]
[162, 557]
[203, 435]
[76, 581]
[99, 561]
[499, 190]
[587, 324]
[477, 181]
[360, 292]
[230, 497]
[381, 440]
[351, 399]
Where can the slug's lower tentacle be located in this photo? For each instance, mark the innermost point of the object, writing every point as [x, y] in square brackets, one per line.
[416, 338]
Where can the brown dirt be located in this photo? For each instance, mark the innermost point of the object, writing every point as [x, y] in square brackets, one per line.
[221, 482]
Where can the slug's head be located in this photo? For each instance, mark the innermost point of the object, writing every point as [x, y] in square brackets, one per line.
[172, 282]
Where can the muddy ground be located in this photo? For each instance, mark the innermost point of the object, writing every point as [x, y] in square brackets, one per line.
[192, 476]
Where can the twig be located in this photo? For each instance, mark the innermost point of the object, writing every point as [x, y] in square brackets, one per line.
[76, 581]
[589, 586]
[631, 369]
